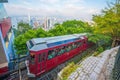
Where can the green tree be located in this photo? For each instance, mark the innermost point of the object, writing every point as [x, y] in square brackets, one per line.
[58, 30]
[22, 28]
[99, 39]
[74, 23]
[108, 22]
[20, 41]
[20, 44]
[56, 24]
[71, 27]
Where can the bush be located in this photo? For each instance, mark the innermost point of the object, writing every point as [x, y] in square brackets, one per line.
[96, 53]
[100, 49]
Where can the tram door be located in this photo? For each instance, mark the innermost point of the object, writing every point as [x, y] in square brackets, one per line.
[41, 62]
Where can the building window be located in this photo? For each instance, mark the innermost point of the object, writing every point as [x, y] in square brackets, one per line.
[7, 38]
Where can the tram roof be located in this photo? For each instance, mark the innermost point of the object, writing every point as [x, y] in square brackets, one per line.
[36, 44]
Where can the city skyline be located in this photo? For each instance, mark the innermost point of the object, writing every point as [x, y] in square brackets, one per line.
[82, 9]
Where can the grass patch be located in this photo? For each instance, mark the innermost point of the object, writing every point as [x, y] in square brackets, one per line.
[70, 68]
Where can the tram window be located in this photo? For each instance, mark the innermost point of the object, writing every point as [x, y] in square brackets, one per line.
[31, 44]
[32, 58]
[74, 46]
[42, 57]
[59, 51]
[51, 54]
[68, 48]
[63, 49]
[56, 52]
[78, 44]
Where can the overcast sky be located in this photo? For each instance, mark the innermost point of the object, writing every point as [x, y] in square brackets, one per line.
[83, 9]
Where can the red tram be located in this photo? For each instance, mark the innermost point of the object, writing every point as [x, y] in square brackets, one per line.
[47, 53]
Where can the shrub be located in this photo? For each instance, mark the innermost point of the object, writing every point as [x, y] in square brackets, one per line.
[100, 49]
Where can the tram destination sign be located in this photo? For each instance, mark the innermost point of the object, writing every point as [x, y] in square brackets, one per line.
[3, 1]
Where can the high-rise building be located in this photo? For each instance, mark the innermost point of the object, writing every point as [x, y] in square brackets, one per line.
[49, 23]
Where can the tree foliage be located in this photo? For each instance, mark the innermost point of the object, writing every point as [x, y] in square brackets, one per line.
[22, 28]
[99, 39]
[20, 41]
[108, 23]
[71, 27]
[74, 23]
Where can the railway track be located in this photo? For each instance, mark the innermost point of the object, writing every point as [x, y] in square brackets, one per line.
[15, 75]
[18, 72]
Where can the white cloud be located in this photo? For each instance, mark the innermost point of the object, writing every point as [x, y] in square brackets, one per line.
[20, 10]
[93, 11]
[66, 8]
[26, 3]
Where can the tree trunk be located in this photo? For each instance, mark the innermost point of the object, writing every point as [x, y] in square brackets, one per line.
[113, 43]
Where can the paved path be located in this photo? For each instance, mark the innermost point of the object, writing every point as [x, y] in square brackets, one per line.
[96, 68]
